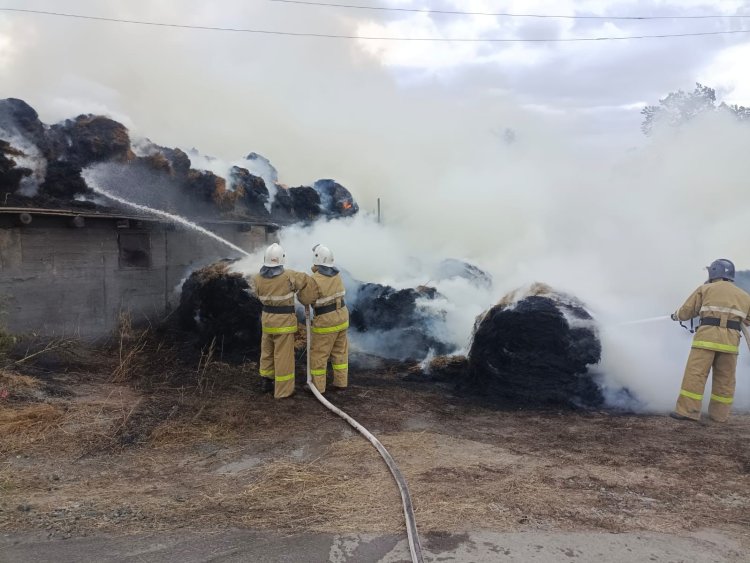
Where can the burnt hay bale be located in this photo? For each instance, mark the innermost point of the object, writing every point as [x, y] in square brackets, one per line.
[252, 189]
[453, 268]
[216, 305]
[16, 116]
[88, 139]
[535, 351]
[11, 174]
[306, 203]
[391, 323]
[335, 199]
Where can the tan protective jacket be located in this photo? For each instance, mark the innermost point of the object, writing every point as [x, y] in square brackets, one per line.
[279, 292]
[323, 291]
[721, 300]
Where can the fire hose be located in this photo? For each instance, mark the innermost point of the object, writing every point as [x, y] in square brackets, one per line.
[411, 525]
[692, 328]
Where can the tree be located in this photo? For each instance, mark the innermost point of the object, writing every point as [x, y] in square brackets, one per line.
[678, 108]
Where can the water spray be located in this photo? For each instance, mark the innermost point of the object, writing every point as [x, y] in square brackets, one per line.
[89, 178]
[644, 321]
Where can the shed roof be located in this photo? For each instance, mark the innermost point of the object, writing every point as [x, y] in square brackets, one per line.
[112, 214]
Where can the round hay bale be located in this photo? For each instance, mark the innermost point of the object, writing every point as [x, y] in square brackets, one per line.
[534, 348]
[217, 304]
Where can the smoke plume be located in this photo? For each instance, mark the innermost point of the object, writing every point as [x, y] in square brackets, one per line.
[464, 167]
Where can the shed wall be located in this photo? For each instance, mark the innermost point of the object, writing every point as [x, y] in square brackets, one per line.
[59, 280]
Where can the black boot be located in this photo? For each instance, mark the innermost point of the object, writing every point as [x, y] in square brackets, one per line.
[267, 385]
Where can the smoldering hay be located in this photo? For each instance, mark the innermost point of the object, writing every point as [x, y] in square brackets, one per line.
[534, 348]
[41, 166]
[626, 233]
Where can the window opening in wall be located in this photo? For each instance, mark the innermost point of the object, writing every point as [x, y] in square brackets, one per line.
[135, 250]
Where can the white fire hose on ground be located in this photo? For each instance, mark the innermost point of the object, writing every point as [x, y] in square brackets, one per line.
[411, 525]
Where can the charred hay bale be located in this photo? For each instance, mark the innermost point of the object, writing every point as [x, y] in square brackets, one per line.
[282, 207]
[534, 349]
[18, 117]
[77, 143]
[453, 268]
[252, 190]
[305, 203]
[261, 166]
[88, 139]
[216, 304]
[11, 174]
[208, 187]
[390, 322]
[335, 199]
[174, 162]
[63, 181]
[179, 161]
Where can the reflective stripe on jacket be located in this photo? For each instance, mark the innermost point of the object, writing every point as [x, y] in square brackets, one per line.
[279, 291]
[721, 300]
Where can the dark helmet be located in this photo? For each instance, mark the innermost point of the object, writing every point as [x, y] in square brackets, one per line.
[721, 269]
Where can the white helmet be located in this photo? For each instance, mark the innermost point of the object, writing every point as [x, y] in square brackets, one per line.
[274, 256]
[322, 255]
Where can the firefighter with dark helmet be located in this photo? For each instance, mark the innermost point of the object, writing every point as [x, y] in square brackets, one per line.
[276, 287]
[326, 293]
[722, 308]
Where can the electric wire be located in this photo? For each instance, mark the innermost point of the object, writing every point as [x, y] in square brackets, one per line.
[505, 14]
[372, 38]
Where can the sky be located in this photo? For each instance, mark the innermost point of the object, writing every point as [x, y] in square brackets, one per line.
[576, 197]
[224, 91]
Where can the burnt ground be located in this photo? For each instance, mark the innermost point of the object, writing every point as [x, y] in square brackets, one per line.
[200, 449]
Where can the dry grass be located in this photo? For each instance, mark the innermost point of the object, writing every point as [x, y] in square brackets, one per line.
[132, 361]
[157, 453]
[25, 426]
[14, 386]
[327, 493]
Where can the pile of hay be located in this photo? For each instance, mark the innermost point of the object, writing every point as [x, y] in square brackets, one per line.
[535, 348]
[218, 305]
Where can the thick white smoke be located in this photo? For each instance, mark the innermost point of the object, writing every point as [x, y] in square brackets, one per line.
[629, 236]
[464, 167]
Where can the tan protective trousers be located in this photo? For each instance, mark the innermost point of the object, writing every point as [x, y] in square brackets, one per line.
[698, 365]
[277, 362]
[333, 345]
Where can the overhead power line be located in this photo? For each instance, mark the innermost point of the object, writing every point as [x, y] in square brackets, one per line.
[501, 14]
[371, 38]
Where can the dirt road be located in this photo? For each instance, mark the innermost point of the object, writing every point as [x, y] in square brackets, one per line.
[237, 546]
[90, 461]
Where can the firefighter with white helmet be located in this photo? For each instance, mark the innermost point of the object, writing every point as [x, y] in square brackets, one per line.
[722, 307]
[276, 287]
[325, 293]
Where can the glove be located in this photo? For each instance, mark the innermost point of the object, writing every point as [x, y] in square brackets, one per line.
[673, 316]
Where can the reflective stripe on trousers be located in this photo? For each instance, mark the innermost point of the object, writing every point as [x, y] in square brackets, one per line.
[716, 347]
[720, 399]
[690, 395]
[280, 329]
[329, 329]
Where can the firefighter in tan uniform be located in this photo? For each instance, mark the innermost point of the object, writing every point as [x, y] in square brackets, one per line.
[722, 307]
[275, 287]
[329, 329]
